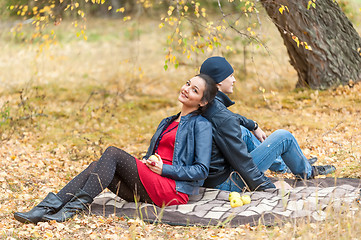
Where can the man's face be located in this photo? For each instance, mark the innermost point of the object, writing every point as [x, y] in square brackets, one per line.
[226, 86]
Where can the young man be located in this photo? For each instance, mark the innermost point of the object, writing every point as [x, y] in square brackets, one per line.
[234, 148]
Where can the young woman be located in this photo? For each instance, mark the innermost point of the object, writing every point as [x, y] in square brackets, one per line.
[182, 144]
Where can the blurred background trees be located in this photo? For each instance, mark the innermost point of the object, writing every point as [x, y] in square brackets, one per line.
[322, 44]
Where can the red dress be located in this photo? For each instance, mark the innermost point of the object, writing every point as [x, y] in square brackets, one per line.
[161, 189]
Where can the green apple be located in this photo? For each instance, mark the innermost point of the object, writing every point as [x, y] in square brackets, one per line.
[236, 202]
[234, 195]
[153, 158]
[246, 199]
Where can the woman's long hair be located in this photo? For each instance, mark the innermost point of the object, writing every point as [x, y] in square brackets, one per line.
[209, 93]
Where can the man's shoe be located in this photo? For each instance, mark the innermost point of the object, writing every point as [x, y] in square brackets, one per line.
[312, 160]
[322, 170]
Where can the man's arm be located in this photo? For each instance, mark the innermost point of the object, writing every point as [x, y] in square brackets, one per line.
[234, 149]
[253, 127]
[245, 122]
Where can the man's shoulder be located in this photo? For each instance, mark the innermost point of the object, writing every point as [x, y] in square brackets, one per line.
[218, 113]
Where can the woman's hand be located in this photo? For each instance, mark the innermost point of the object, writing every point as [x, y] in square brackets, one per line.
[155, 166]
[259, 134]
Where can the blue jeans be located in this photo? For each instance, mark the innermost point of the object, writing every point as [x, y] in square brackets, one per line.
[280, 143]
[252, 143]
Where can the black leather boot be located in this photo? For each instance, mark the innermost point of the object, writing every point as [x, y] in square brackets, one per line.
[77, 204]
[51, 204]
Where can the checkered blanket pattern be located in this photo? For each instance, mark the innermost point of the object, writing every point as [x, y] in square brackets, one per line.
[211, 207]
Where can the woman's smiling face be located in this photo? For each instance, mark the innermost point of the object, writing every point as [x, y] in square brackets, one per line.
[191, 93]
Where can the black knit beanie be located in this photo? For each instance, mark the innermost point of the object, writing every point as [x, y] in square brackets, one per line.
[217, 68]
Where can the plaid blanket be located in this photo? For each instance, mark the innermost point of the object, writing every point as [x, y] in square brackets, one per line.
[308, 199]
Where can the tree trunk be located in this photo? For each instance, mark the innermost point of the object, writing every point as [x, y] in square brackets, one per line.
[335, 57]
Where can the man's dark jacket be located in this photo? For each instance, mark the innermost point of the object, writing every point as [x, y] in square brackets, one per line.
[229, 151]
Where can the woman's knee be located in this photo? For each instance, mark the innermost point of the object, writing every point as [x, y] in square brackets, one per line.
[115, 153]
[111, 149]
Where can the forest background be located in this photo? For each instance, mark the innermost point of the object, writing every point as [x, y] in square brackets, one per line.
[81, 83]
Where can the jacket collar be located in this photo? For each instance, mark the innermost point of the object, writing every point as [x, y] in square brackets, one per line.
[224, 99]
[171, 118]
[174, 117]
[220, 103]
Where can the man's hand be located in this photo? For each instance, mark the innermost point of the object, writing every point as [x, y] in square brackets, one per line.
[260, 135]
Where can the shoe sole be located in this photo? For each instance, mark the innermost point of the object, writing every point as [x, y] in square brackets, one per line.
[25, 220]
[21, 219]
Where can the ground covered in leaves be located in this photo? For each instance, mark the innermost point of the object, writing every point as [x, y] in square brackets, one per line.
[67, 105]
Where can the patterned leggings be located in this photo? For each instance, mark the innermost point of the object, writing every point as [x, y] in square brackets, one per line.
[115, 170]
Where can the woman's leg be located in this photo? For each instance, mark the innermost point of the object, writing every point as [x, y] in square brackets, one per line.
[123, 190]
[53, 202]
[116, 166]
[78, 182]
[252, 143]
[282, 143]
[118, 187]
[127, 164]
[113, 161]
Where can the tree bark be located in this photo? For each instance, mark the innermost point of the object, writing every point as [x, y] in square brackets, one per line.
[335, 57]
